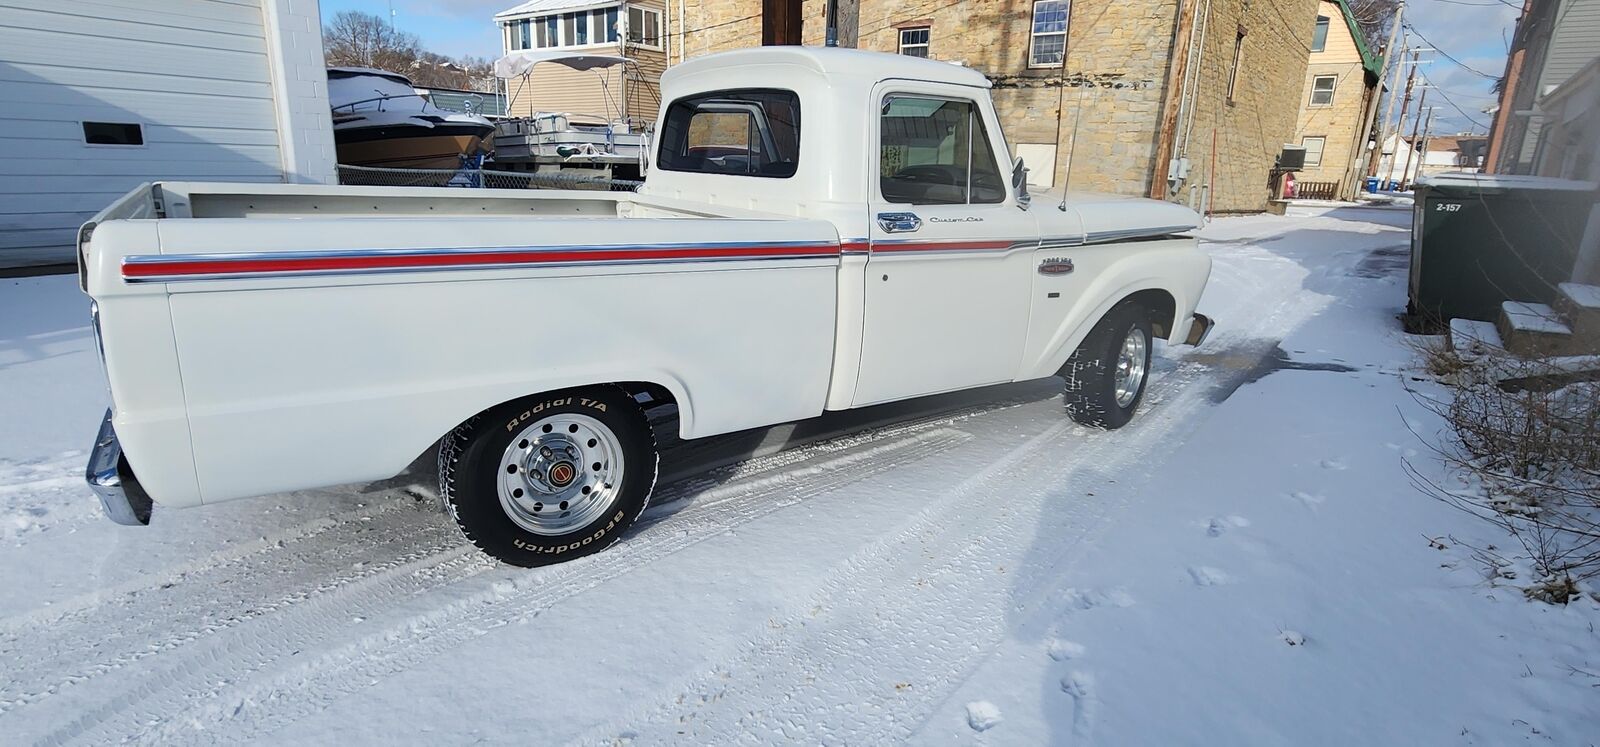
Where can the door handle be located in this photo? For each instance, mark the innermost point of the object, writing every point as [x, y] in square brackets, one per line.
[899, 222]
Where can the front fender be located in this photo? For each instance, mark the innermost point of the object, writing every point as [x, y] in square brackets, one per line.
[1110, 274]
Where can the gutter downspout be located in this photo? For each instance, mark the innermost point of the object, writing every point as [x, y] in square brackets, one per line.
[1161, 165]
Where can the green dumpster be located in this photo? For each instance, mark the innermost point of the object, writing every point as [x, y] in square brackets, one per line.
[1478, 240]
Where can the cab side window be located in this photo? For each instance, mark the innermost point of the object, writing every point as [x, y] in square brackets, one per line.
[747, 132]
[935, 151]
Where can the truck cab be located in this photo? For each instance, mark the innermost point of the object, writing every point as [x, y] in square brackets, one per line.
[951, 277]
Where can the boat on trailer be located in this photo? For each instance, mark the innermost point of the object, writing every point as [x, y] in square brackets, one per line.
[380, 120]
[603, 145]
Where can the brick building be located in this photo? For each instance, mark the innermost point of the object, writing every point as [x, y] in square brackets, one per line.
[1336, 110]
[1109, 95]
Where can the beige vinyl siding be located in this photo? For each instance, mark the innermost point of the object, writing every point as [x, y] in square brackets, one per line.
[194, 74]
[598, 93]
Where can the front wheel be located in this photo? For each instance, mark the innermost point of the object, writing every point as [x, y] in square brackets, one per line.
[550, 478]
[1106, 375]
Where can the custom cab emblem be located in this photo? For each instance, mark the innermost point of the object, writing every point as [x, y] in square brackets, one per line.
[899, 222]
[1056, 266]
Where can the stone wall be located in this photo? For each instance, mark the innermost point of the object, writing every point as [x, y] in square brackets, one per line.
[1251, 128]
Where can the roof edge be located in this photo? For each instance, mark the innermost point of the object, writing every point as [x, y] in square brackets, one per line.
[1372, 62]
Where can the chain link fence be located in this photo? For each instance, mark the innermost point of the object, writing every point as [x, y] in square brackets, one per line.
[478, 179]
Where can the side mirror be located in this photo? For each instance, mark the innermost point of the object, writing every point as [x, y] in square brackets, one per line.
[1019, 184]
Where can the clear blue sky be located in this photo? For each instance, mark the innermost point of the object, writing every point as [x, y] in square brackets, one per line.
[1472, 31]
[456, 28]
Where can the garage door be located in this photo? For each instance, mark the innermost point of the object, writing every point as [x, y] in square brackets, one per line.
[97, 97]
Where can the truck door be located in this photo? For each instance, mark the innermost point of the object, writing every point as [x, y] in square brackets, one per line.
[951, 252]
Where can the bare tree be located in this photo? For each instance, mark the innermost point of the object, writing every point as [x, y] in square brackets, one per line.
[365, 40]
[1374, 17]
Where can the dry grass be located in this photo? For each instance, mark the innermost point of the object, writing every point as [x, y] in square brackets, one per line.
[1536, 454]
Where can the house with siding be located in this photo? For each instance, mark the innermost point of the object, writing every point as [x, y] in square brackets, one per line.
[1555, 40]
[627, 28]
[1177, 99]
[1336, 112]
[98, 97]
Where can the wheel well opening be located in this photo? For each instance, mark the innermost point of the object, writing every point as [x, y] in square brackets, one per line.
[1161, 307]
[648, 394]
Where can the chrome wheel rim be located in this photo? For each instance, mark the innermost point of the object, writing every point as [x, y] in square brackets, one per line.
[560, 473]
[1129, 376]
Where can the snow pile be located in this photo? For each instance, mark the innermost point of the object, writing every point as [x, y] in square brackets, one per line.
[982, 715]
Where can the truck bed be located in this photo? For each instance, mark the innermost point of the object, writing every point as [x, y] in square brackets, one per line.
[271, 339]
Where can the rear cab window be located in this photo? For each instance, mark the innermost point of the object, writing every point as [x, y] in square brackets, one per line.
[741, 132]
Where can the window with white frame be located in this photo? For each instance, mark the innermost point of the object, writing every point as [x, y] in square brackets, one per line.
[644, 26]
[582, 28]
[1322, 90]
[1048, 44]
[914, 41]
[1314, 147]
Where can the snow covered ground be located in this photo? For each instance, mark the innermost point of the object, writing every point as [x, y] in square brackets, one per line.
[1246, 563]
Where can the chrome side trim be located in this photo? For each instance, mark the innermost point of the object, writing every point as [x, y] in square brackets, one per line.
[1060, 242]
[139, 259]
[111, 479]
[832, 257]
[1130, 234]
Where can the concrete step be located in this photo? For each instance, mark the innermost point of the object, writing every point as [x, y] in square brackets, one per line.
[1579, 307]
[1533, 329]
[1473, 340]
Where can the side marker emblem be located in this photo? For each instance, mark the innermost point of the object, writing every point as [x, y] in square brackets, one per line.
[1056, 266]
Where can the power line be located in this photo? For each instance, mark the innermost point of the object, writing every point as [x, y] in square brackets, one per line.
[1464, 66]
[1446, 95]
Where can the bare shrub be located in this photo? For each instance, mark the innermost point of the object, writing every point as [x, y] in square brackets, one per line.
[1534, 447]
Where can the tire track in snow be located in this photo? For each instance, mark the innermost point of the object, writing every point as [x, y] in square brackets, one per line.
[775, 689]
[216, 692]
[794, 683]
[147, 625]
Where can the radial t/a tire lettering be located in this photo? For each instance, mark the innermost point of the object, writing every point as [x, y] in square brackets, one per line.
[1107, 374]
[549, 478]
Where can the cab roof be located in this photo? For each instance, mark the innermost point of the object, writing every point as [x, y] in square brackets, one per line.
[834, 60]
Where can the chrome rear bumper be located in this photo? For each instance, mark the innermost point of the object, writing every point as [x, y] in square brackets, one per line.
[112, 480]
[1199, 330]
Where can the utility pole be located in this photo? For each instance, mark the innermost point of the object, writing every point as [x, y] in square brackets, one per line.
[1422, 147]
[1411, 80]
[1422, 106]
[1164, 164]
[1395, 56]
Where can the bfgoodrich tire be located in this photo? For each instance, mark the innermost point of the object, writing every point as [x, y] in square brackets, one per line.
[550, 478]
[1106, 375]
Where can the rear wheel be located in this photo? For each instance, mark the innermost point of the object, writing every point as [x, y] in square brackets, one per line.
[1106, 375]
[550, 478]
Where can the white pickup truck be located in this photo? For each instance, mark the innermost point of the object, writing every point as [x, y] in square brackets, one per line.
[821, 229]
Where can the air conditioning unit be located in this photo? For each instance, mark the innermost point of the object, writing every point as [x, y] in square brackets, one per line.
[1293, 158]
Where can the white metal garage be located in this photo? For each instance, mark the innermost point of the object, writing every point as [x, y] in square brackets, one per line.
[97, 96]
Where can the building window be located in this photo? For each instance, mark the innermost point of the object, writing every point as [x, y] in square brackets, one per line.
[1322, 90]
[1049, 42]
[609, 19]
[112, 133]
[1319, 38]
[914, 41]
[644, 26]
[1313, 146]
[575, 27]
[1238, 62]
